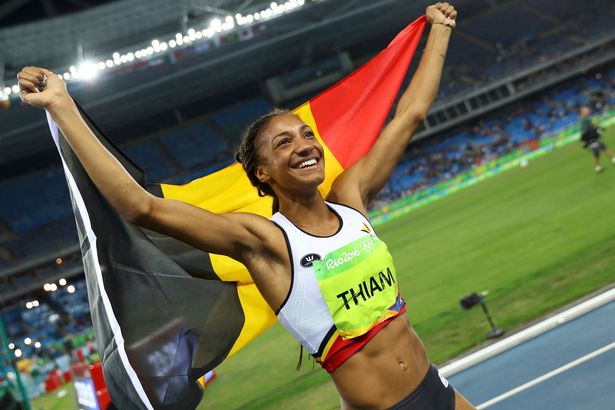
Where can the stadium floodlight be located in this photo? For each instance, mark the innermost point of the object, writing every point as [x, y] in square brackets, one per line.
[15, 88]
[7, 90]
[70, 289]
[172, 43]
[11, 345]
[53, 287]
[66, 76]
[37, 345]
[35, 303]
[28, 305]
[163, 45]
[87, 71]
[62, 282]
[18, 353]
[27, 341]
[473, 299]
[47, 287]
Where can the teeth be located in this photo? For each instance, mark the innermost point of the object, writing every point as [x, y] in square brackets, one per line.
[307, 163]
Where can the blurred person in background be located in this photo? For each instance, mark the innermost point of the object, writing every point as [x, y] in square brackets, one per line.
[590, 138]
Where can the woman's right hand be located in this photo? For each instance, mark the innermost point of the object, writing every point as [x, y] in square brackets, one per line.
[41, 88]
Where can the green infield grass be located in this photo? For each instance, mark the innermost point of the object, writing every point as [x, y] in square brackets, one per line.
[62, 398]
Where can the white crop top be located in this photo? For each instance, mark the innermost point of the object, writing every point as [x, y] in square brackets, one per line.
[304, 313]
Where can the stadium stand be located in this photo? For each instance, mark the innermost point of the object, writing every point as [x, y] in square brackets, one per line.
[195, 147]
[150, 156]
[235, 119]
[59, 315]
[441, 158]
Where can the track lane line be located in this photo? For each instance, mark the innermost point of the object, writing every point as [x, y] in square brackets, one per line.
[546, 376]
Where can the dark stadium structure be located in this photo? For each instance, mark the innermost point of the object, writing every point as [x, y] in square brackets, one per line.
[524, 67]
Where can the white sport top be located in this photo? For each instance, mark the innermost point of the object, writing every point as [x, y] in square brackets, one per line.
[304, 312]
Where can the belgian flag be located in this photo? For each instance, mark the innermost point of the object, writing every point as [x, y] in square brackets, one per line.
[165, 313]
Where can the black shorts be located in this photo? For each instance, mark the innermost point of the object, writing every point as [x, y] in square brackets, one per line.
[434, 393]
[597, 147]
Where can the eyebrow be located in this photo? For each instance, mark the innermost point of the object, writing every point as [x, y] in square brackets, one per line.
[287, 133]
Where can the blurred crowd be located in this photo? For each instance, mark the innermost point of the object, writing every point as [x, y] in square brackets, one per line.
[518, 127]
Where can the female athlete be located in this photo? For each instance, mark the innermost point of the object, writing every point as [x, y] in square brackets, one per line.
[317, 262]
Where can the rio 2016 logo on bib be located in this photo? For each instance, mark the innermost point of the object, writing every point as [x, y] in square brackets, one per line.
[343, 258]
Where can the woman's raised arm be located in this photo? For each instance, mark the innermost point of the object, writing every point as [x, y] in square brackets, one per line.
[234, 235]
[361, 182]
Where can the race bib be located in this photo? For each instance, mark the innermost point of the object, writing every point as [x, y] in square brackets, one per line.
[359, 285]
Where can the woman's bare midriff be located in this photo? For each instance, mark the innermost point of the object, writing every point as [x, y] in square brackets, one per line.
[385, 370]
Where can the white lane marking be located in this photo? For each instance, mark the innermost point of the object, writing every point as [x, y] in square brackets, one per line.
[546, 376]
[529, 333]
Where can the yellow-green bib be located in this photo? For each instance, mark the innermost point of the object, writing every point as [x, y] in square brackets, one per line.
[359, 284]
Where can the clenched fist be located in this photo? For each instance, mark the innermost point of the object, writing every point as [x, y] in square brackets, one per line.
[441, 13]
[41, 88]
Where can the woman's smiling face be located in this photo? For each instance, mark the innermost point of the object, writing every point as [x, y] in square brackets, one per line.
[290, 155]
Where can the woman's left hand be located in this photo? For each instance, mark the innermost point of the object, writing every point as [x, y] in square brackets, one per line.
[441, 13]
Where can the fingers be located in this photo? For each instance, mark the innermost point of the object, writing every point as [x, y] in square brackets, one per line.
[36, 72]
[29, 79]
[448, 12]
[27, 85]
[446, 9]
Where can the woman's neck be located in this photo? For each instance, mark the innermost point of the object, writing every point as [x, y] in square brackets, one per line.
[310, 213]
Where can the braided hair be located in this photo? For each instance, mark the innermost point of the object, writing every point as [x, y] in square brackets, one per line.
[248, 153]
